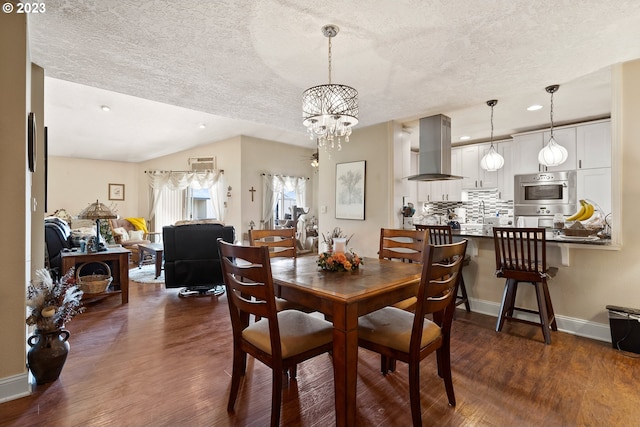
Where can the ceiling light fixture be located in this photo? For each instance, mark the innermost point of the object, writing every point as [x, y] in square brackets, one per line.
[534, 107]
[105, 108]
[492, 161]
[202, 126]
[330, 111]
[552, 154]
[464, 138]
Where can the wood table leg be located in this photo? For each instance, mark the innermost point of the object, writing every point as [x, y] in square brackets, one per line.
[123, 268]
[158, 255]
[345, 364]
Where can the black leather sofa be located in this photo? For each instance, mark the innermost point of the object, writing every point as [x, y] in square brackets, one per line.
[191, 257]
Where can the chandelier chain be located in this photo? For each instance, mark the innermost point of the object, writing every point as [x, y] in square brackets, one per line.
[492, 125]
[329, 59]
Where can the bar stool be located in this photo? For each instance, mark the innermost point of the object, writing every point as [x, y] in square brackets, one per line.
[521, 256]
[442, 235]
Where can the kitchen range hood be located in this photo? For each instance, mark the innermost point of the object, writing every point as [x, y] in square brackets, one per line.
[434, 162]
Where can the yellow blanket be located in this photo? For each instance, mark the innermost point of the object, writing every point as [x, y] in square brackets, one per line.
[139, 224]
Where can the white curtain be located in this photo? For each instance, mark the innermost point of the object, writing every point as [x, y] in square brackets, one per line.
[173, 180]
[272, 185]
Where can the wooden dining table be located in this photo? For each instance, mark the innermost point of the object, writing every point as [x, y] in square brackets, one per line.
[343, 297]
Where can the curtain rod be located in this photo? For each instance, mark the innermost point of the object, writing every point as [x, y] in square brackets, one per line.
[208, 170]
[284, 176]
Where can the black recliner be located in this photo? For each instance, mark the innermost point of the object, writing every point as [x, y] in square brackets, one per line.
[57, 238]
[192, 259]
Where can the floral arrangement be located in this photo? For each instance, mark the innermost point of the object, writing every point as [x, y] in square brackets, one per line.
[53, 303]
[335, 234]
[340, 261]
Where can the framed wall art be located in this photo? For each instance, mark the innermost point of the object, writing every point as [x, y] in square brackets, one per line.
[116, 191]
[350, 187]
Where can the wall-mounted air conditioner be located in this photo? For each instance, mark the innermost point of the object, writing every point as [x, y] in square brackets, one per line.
[202, 163]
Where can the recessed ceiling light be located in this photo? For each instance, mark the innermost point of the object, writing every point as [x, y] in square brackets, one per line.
[105, 108]
[534, 107]
[202, 126]
[464, 138]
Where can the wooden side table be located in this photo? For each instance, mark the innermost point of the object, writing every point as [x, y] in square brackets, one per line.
[153, 249]
[119, 257]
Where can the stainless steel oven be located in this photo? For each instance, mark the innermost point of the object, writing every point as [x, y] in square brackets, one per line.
[545, 194]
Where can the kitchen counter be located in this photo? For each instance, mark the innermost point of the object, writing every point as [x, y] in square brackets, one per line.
[563, 243]
[479, 232]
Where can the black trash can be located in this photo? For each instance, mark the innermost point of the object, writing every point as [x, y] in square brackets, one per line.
[625, 328]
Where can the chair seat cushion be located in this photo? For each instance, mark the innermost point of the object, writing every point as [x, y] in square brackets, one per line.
[299, 332]
[391, 327]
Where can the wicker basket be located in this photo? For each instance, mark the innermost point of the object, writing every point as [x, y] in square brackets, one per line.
[95, 283]
[580, 232]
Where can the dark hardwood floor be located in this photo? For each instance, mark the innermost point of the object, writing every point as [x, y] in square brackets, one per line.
[165, 361]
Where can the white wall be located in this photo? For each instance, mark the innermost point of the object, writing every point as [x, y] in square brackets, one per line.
[75, 183]
[375, 145]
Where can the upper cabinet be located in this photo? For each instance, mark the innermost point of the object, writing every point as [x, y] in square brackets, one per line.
[594, 145]
[476, 178]
[528, 146]
[505, 174]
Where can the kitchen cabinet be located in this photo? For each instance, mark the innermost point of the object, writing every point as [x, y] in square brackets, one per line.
[505, 174]
[528, 146]
[595, 185]
[476, 178]
[593, 144]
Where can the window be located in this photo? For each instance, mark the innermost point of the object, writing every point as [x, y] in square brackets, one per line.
[284, 206]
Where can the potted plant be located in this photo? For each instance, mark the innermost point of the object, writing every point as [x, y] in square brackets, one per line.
[52, 304]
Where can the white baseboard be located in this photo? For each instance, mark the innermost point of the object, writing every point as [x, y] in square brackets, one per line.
[570, 325]
[14, 387]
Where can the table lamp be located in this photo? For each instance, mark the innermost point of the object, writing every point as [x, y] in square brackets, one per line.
[97, 211]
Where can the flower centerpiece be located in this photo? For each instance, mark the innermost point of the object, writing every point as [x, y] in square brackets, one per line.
[339, 261]
[337, 257]
[53, 303]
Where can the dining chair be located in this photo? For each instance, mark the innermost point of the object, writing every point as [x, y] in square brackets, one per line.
[409, 337]
[281, 243]
[404, 245]
[440, 235]
[521, 256]
[280, 340]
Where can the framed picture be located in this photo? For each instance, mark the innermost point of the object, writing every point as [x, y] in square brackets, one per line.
[31, 141]
[350, 180]
[116, 191]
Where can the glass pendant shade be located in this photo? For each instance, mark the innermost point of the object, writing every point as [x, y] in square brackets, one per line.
[553, 154]
[330, 111]
[492, 161]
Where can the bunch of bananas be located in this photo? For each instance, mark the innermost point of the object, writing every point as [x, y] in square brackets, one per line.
[585, 212]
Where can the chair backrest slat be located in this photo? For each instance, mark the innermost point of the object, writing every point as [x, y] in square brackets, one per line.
[406, 245]
[281, 242]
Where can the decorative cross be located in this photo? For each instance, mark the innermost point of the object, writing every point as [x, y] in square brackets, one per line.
[252, 190]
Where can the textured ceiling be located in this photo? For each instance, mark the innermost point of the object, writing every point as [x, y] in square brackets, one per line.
[241, 67]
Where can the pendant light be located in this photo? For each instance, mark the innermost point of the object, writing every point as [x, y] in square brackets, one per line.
[492, 161]
[330, 111]
[553, 154]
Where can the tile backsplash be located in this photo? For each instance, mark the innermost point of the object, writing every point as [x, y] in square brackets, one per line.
[473, 205]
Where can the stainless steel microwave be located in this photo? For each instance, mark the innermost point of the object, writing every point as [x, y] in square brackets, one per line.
[545, 194]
